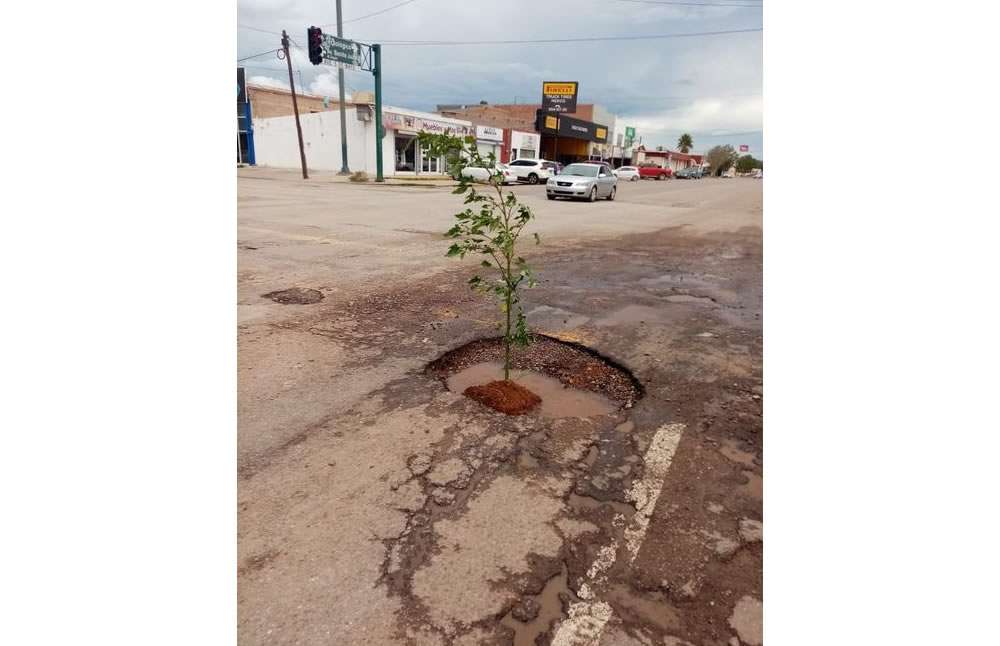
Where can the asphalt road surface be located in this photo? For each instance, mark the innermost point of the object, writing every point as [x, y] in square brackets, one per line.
[377, 507]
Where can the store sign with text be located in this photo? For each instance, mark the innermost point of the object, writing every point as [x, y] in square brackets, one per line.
[564, 126]
[489, 133]
[524, 140]
[559, 96]
[395, 121]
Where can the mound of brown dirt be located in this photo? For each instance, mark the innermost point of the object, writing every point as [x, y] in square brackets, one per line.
[505, 396]
[296, 296]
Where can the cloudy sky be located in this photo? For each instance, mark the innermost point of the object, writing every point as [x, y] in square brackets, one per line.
[709, 86]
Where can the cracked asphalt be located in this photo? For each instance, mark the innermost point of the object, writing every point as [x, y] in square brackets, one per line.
[377, 507]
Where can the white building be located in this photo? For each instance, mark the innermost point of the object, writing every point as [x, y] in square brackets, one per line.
[524, 145]
[276, 141]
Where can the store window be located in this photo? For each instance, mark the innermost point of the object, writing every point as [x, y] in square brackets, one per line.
[527, 153]
[406, 153]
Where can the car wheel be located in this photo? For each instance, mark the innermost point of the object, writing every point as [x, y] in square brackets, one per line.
[551, 197]
[659, 177]
[635, 178]
[593, 194]
[611, 195]
[532, 179]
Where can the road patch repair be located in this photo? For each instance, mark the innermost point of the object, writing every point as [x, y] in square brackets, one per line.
[379, 505]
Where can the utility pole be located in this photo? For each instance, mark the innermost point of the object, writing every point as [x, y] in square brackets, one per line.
[344, 170]
[379, 128]
[295, 102]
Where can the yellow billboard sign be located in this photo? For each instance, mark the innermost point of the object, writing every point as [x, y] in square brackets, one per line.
[559, 89]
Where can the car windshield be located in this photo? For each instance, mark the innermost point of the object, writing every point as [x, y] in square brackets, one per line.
[583, 170]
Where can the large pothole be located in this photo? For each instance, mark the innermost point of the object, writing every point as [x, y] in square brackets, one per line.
[572, 380]
[295, 296]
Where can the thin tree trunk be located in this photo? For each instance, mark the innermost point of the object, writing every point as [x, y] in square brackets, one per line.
[506, 338]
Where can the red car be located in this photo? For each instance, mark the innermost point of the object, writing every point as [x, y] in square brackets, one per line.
[652, 170]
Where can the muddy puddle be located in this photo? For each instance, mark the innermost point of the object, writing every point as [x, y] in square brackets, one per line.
[585, 503]
[557, 399]
[549, 607]
[688, 298]
[733, 450]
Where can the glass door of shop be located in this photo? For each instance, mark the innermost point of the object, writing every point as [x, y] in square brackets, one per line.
[406, 153]
[429, 164]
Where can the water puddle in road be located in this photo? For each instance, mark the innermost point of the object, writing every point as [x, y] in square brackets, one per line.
[659, 611]
[634, 314]
[688, 298]
[557, 399]
[549, 609]
[733, 450]
[585, 503]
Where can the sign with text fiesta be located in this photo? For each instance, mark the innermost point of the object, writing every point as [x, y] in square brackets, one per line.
[559, 96]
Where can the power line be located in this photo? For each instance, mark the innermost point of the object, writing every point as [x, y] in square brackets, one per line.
[565, 40]
[369, 15]
[695, 4]
[270, 51]
[263, 31]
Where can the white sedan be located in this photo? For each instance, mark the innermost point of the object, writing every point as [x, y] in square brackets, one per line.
[628, 173]
[483, 174]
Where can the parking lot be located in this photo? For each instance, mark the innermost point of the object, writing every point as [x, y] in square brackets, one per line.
[377, 507]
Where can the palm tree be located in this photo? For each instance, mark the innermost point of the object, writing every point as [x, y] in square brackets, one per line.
[685, 144]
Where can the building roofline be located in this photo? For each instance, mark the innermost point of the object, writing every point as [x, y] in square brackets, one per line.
[299, 93]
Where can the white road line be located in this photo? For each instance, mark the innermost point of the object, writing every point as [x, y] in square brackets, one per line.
[646, 492]
[586, 620]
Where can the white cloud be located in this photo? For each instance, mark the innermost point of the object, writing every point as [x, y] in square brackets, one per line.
[326, 84]
[706, 115]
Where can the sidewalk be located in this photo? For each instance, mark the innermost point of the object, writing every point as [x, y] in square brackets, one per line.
[267, 172]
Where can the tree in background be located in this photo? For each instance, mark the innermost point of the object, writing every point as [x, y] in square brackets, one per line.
[685, 143]
[747, 163]
[720, 158]
[489, 227]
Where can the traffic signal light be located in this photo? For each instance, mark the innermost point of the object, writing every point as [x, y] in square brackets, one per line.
[315, 37]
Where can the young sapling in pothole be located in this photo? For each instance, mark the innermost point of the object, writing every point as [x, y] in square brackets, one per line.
[490, 226]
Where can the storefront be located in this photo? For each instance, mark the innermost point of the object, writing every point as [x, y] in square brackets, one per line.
[404, 125]
[489, 141]
[567, 139]
[523, 145]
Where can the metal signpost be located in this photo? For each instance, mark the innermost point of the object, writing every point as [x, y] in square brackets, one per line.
[559, 96]
[332, 50]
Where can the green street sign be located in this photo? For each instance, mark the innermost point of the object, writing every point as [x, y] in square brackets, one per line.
[629, 132]
[340, 50]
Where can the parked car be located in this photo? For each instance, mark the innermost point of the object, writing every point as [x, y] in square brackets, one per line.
[757, 174]
[533, 170]
[629, 173]
[483, 174]
[654, 171]
[691, 172]
[554, 167]
[586, 180]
